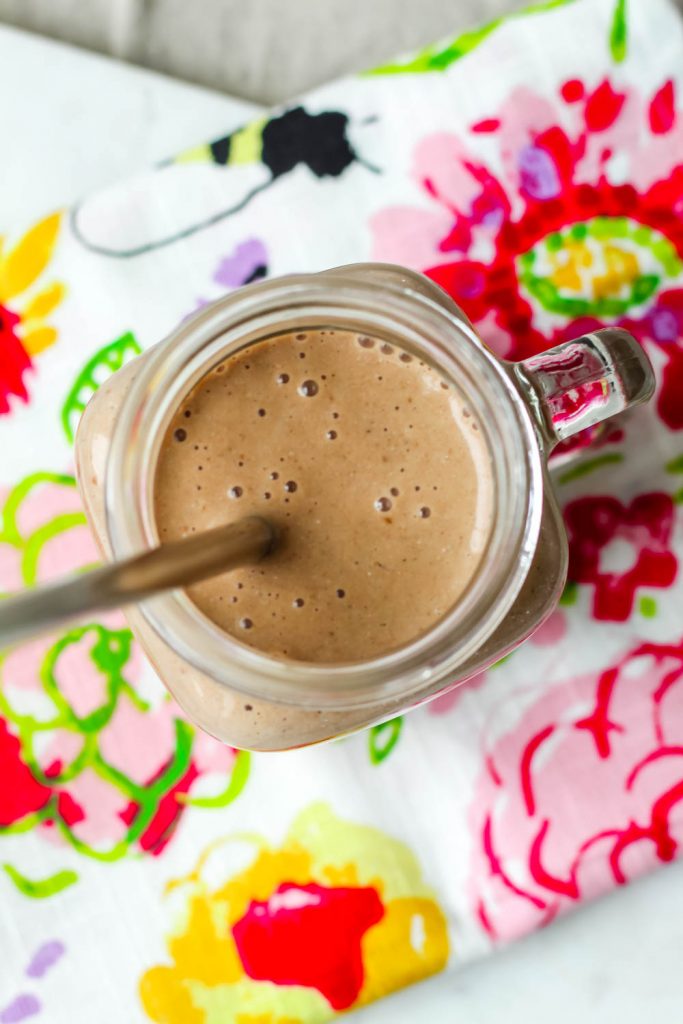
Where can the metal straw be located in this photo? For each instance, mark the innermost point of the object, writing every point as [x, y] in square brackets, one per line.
[177, 564]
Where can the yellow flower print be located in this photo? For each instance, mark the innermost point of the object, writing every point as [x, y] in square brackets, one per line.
[25, 307]
[621, 270]
[335, 917]
[569, 264]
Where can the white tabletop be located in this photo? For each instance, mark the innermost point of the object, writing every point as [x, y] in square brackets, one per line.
[72, 122]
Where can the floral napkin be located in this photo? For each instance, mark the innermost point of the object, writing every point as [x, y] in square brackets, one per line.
[534, 169]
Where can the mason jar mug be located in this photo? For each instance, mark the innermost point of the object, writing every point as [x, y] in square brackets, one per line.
[253, 700]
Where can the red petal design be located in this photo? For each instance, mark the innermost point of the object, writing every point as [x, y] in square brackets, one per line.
[662, 112]
[20, 793]
[309, 935]
[603, 107]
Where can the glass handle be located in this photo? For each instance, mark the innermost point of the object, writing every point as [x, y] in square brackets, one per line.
[584, 381]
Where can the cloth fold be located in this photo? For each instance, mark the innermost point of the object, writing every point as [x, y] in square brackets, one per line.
[534, 169]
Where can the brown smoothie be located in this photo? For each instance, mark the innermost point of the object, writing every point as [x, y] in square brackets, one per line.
[372, 467]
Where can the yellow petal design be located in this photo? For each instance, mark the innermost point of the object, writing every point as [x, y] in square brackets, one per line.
[201, 953]
[265, 1018]
[622, 269]
[26, 262]
[44, 302]
[408, 944]
[260, 881]
[167, 999]
[39, 339]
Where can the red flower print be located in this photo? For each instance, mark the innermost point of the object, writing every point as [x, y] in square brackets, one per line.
[309, 935]
[584, 793]
[14, 360]
[598, 525]
[20, 794]
[580, 226]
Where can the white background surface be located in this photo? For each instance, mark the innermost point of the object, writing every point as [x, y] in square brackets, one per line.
[71, 123]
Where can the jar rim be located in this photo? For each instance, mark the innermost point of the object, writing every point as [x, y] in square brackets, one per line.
[413, 320]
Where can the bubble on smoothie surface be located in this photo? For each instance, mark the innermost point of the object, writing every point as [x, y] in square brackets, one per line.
[308, 389]
[331, 435]
[235, 492]
[180, 434]
[383, 504]
[366, 342]
[246, 623]
[298, 602]
[291, 486]
[425, 512]
[282, 378]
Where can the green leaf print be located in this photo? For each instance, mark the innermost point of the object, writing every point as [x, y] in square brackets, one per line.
[44, 887]
[675, 465]
[570, 594]
[105, 362]
[589, 466]
[441, 56]
[31, 546]
[236, 783]
[618, 32]
[383, 738]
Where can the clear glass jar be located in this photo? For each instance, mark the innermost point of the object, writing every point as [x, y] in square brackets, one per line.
[251, 700]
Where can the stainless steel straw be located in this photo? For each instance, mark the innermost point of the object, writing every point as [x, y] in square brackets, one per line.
[177, 564]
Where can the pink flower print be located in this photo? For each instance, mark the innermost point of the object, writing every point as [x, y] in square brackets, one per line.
[92, 761]
[582, 794]
[602, 529]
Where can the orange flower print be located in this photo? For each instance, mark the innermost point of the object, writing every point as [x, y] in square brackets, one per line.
[25, 306]
[335, 917]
